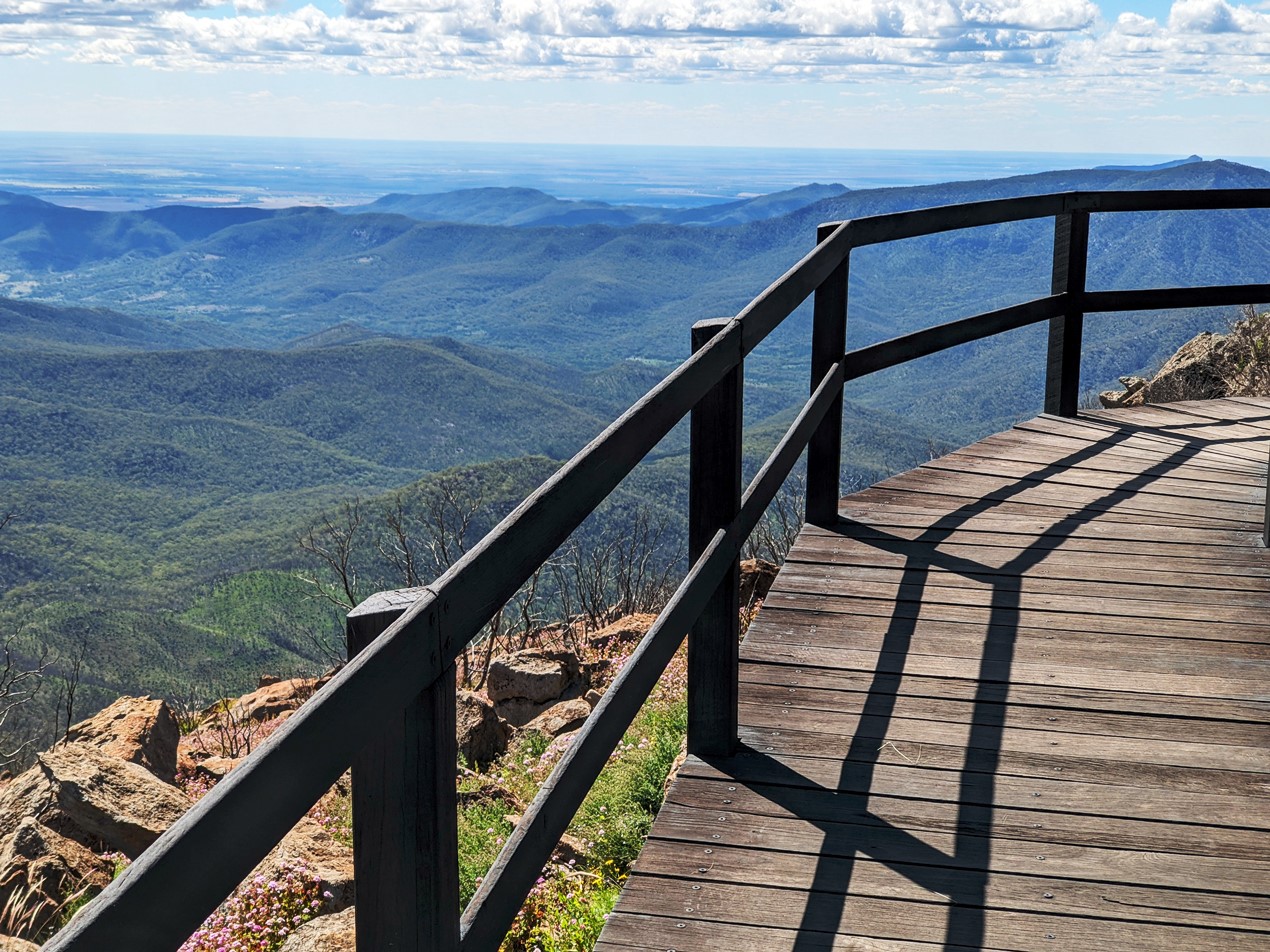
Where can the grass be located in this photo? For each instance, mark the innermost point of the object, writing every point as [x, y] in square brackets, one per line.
[578, 887]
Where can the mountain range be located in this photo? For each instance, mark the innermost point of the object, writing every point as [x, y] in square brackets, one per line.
[183, 389]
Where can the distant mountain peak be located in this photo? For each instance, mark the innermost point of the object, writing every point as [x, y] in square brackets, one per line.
[1172, 164]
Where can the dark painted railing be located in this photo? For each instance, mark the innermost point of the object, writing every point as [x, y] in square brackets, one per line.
[390, 712]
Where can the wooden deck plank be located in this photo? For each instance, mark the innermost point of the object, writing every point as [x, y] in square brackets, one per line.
[812, 820]
[1047, 647]
[1064, 562]
[1016, 698]
[1054, 701]
[1005, 890]
[769, 696]
[1040, 616]
[925, 921]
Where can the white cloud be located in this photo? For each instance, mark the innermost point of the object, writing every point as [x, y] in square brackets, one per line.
[944, 42]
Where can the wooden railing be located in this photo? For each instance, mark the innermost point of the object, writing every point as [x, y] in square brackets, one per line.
[390, 712]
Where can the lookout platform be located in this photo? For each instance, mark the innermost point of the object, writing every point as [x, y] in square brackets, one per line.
[1015, 699]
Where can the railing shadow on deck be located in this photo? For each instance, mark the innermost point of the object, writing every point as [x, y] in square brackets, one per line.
[389, 713]
[961, 876]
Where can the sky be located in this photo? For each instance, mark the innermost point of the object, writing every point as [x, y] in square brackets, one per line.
[1122, 76]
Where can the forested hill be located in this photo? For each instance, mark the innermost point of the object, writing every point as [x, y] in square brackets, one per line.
[592, 295]
[531, 208]
[183, 390]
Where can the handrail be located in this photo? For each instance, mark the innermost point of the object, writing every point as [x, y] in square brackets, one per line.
[373, 715]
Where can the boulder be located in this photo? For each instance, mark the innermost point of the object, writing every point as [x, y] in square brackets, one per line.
[82, 793]
[327, 858]
[1111, 399]
[517, 711]
[482, 735]
[627, 630]
[333, 933]
[10, 943]
[39, 869]
[140, 730]
[1195, 372]
[561, 718]
[535, 675]
[757, 576]
[273, 698]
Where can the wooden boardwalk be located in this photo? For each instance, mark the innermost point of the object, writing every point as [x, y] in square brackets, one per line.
[1016, 699]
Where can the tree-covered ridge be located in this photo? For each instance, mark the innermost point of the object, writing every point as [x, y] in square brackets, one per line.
[592, 295]
[162, 462]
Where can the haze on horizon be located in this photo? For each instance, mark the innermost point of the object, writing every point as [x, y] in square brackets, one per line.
[1131, 76]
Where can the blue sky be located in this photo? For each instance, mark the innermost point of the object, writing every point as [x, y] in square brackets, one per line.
[1125, 76]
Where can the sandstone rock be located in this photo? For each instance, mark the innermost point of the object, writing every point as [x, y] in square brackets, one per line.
[627, 630]
[275, 698]
[757, 576]
[140, 730]
[517, 711]
[534, 674]
[334, 933]
[482, 735]
[561, 718]
[39, 869]
[1111, 399]
[1195, 372]
[10, 943]
[86, 795]
[325, 857]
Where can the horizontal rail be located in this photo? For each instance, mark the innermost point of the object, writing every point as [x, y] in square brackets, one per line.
[156, 904]
[495, 568]
[931, 340]
[896, 226]
[1159, 299]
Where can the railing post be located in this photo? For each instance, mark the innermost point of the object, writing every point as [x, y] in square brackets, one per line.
[714, 499]
[1265, 525]
[1071, 256]
[828, 344]
[405, 809]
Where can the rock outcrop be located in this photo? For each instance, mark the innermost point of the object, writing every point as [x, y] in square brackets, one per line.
[77, 802]
[526, 683]
[482, 735]
[140, 730]
[1206, 367]
[109, 791]
[334, 933]
[757, 576]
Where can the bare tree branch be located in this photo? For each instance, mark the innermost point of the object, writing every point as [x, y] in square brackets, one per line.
[332, 540]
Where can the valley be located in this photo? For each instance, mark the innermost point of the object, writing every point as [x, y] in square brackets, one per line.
[185, 390]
